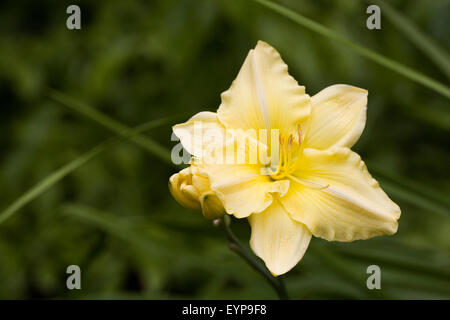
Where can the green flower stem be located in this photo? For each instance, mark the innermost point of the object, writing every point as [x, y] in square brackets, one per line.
[276, 282]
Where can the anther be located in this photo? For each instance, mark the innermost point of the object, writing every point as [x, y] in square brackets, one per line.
[290, 140]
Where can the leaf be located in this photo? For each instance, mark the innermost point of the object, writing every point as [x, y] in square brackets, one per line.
[412, 192]
[59, 174]
[420, 39]
[111, 225]
[365, 52]
[149, 145]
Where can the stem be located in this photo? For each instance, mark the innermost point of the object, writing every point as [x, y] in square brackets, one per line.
[276, 282]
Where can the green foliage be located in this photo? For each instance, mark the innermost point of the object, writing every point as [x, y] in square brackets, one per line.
[138, 61]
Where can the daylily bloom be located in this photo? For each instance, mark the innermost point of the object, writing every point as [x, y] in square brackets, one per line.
[318, 187]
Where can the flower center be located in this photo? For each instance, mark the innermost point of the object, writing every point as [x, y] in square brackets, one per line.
[289, 152]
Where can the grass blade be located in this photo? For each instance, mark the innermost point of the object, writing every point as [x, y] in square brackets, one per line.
[111, 225]
[153, 242]
[376, 57]
[414, 186]
[341, 266]
[412, 192]
[149, 145]
[414, 198]
[59, 174]
[420, 39]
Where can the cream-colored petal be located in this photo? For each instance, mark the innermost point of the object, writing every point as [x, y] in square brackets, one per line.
[334, 195]
[189, 192]
[241, 188]
[199, 132]
[277, 239]
[264, 95]
[200, 182]
[338, 117]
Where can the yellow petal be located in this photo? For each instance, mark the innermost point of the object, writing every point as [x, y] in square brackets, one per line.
[200, 182]
[338, 117]
[241, 188]
[334, 195]
[264, 95]
[199, 132]
[189, 192]
[277, 239]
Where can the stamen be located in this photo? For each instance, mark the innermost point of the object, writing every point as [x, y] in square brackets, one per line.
[289, 154]
[299, 135]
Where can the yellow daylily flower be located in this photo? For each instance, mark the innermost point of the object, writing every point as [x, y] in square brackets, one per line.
[317, 187]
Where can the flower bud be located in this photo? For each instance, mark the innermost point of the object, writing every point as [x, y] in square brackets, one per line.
[193, 191]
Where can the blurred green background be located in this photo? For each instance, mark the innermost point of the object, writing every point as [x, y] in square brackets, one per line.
[136, 61]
